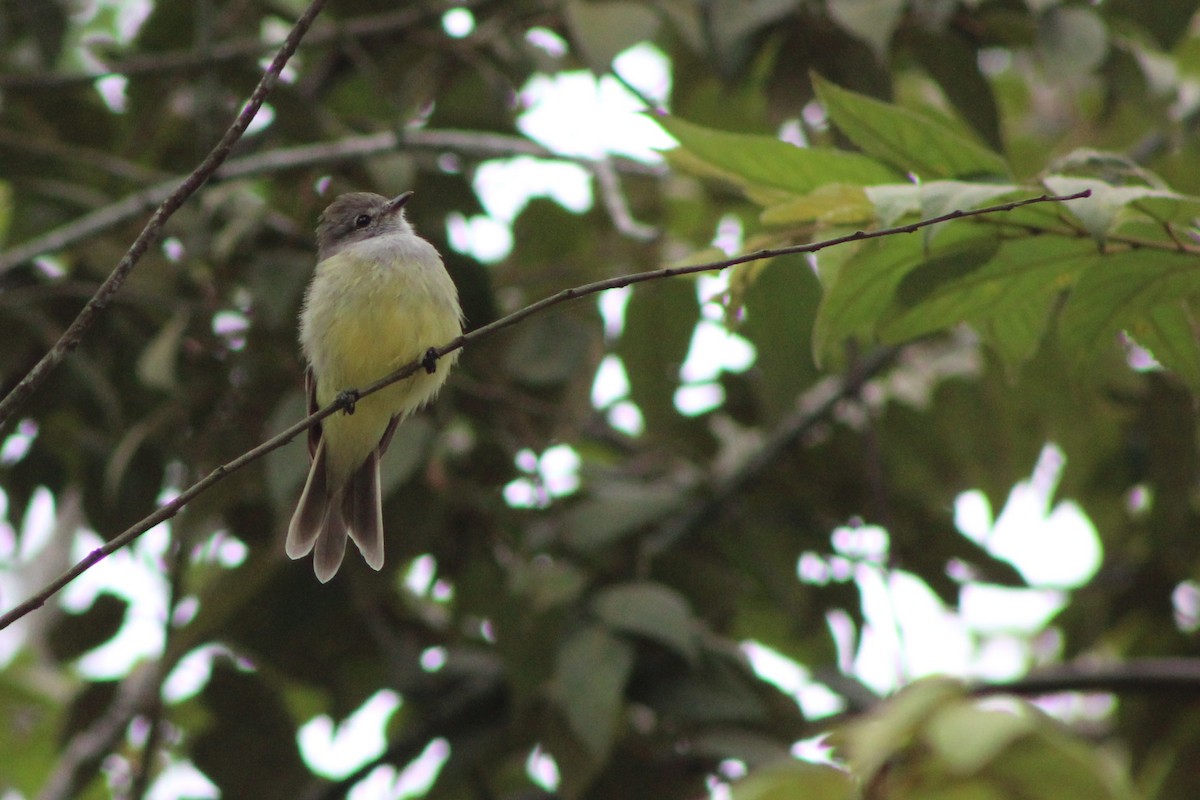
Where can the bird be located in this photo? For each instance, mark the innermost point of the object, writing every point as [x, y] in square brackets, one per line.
[379, 298]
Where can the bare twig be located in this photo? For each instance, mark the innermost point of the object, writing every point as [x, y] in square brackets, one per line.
[104, 295]
[617, 207]
[172, 508]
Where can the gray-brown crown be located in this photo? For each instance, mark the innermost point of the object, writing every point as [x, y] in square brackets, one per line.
[359, 216]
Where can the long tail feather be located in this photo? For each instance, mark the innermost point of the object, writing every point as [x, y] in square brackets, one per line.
[318, 522]
[311, 512]
[331, 544]
[363, 511]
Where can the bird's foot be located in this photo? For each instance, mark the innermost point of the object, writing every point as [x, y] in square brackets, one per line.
[347, 399]
[429, 361]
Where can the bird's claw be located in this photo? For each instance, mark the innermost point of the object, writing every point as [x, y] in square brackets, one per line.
[347, 399]
[429, 361]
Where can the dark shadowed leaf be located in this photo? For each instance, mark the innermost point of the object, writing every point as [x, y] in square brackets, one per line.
[249, 748]
[592, 668]
[604, 28]
[781, 301]
[75, 634]
[611, 512]
[659, 321]
[651, 610]
[545, 352]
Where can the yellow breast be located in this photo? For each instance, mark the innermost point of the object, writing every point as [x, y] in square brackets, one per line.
[371, 309]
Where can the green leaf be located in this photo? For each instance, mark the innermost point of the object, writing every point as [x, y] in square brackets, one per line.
[659, 321]
[1171, 333]
[934, 297]
[156, 364]
[592, 669]
[6, 210]
[937, 743]
[1167, 206]
[949, 56]
[651, 610]
[1107, 208]
[963, 790]
[1119, 291]
[781, 300]
[833, 204]
[1016, 333]
[795, 779]
[547, 584]
[865, 286]
[966, 738]
[715, 691]
[547, 349]
[871, 741]
[613, 510]
[894, 201]
[32, 738]
[933, 199]
[764, 161]
[912, 142]
[873, 21]
[1051, 764]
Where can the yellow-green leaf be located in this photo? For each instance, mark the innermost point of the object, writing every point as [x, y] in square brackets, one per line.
[908, 140]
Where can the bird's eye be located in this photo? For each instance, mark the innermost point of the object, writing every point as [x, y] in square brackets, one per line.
[362, 221]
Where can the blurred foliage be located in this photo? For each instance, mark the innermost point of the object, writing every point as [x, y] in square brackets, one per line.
[601, 622]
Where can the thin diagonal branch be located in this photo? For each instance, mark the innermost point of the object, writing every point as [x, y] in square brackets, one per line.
[104, 295]
[349, 396]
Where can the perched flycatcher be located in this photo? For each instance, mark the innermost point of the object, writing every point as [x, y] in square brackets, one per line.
[379, 298]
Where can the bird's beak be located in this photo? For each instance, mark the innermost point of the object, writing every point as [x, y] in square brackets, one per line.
[396, 203]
